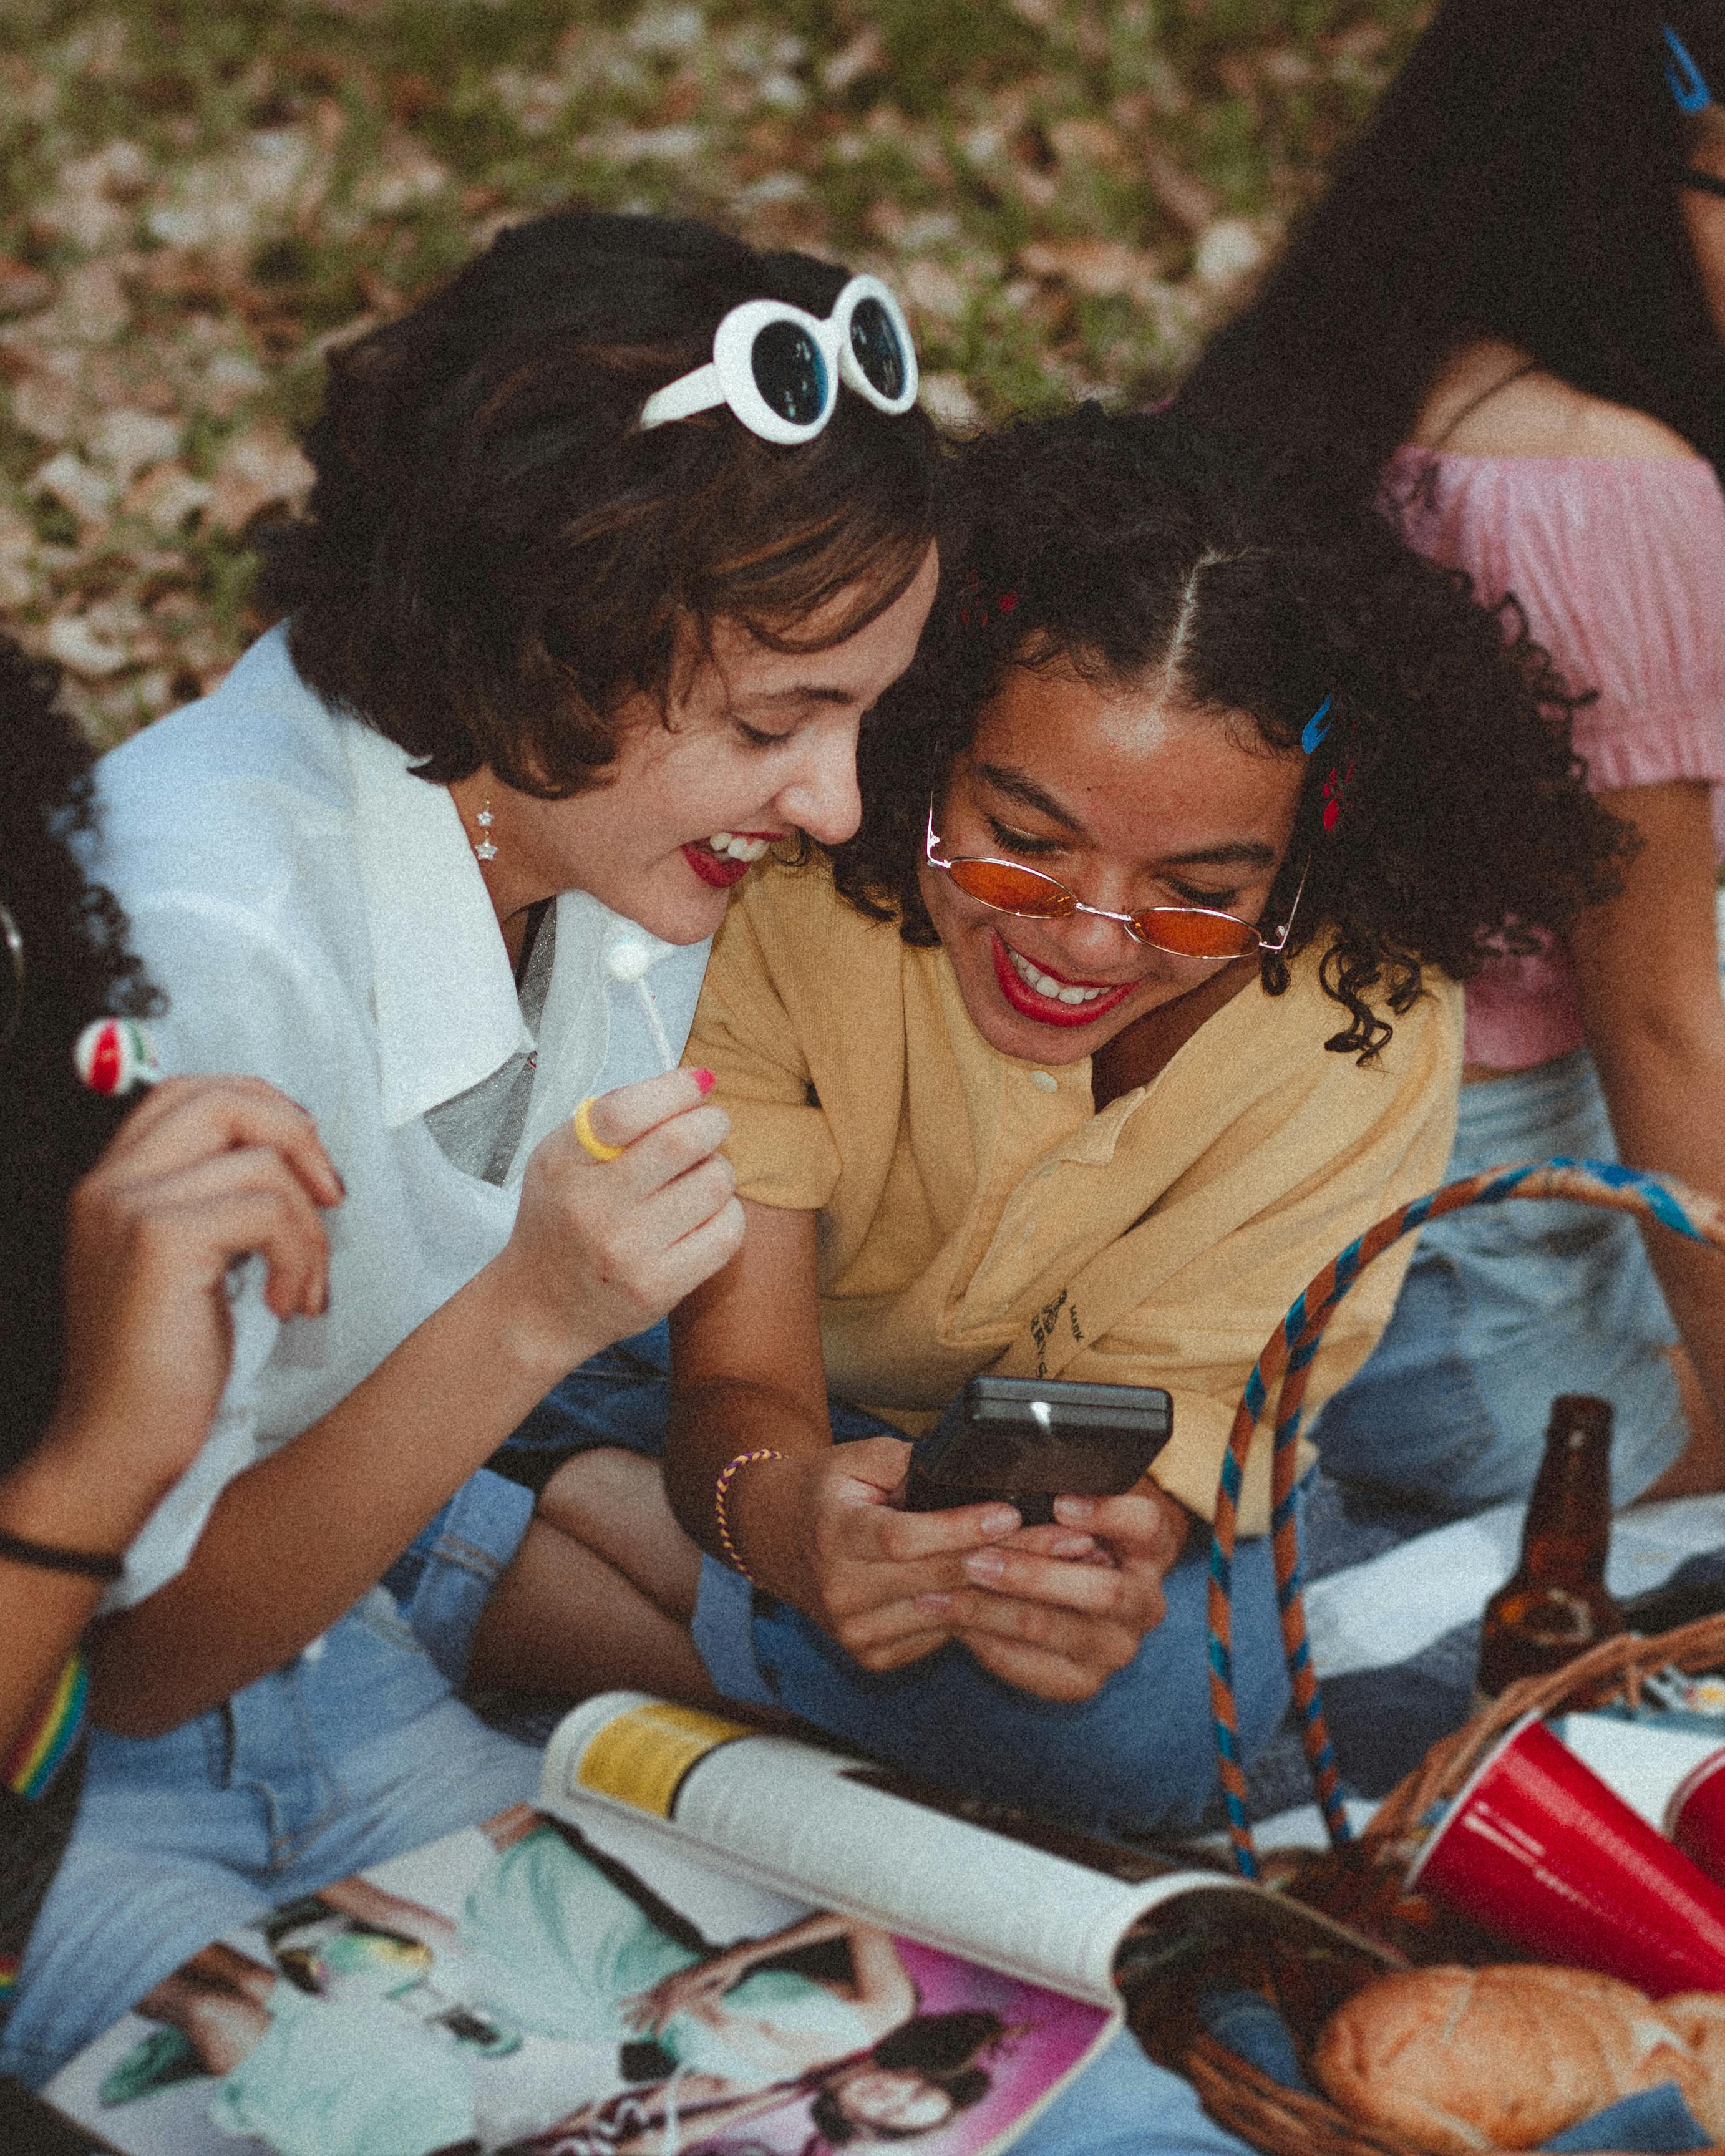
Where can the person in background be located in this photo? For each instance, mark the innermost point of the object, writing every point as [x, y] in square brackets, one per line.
[613, 541]
[1505, 323]
[122, 1221]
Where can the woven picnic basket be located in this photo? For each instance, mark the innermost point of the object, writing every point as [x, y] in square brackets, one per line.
[1235, 2094]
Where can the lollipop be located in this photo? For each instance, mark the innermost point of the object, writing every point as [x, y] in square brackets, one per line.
[628, 956]
[115, 1056]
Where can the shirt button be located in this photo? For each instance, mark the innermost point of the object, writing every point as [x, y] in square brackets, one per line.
[1044, 1081]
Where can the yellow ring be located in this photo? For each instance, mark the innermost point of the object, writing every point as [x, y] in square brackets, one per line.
[583, 1119]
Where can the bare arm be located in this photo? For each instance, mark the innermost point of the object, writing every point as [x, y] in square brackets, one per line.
[1055, 1610]
[818, 1527]
[599, 1251]
[879, 1986]
[1647, 966]
[201, 1172]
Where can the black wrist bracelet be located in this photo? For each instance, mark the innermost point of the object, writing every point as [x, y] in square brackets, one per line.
[47, 1558]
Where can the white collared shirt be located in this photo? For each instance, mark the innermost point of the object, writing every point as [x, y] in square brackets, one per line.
[316, 916]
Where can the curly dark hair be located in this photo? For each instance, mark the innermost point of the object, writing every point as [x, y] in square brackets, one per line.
[1518, 181]
[495, 556]
[76, 967]
[1125, 544]
[943, 2048]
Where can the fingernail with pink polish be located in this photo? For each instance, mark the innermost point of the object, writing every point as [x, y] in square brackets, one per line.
[985, 1564]
[705, 1079]
[1073, 1546]
[1071, 1510]
[934, 1603]
[1000, 1522]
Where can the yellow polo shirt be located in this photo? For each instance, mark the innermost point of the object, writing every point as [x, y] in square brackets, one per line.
[977, 1213]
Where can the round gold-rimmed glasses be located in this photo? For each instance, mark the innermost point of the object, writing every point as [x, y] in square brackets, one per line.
[1185, 932]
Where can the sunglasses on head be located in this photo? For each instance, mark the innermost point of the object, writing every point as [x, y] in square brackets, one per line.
[779, 369]
[1187, 931]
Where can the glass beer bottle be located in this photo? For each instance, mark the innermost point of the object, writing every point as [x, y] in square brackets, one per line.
[1554, 1606]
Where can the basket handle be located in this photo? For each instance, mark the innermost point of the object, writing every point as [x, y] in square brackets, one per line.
[1287, 1357]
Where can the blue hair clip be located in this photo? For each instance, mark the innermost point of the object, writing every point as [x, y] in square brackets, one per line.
[1683, 79]
[1317, 726]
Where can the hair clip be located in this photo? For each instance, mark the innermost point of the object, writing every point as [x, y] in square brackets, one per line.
[1336, 788]
[1686, 82]
[1317, 726]
[1003, 604]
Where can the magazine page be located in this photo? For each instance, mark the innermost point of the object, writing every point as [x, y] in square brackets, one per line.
[799, 1819]
[534, 1988]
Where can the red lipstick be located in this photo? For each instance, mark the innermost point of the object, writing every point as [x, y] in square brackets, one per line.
[1028, 1003]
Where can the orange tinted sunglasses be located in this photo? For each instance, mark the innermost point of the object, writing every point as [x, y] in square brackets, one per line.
[1187, 931]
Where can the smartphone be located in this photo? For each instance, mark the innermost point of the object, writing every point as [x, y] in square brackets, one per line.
[1032, 1440]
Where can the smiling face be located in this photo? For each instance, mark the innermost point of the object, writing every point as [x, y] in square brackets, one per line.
[1129, 799]
[895, 2098]
[758, 744]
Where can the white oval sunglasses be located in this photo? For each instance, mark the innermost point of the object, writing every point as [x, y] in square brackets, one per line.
[778, 367]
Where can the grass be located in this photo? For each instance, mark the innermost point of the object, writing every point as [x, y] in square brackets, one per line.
[1068, 192]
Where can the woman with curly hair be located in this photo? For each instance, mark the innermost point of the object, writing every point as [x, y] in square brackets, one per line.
[1130, 1004]
[121, 1220]
[1506, 322]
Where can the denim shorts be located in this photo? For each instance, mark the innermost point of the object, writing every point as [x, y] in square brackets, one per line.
[1137, 1756]
[1503, 1307]
[355, 1751]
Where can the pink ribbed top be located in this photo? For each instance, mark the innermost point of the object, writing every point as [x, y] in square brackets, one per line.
[1619, 562]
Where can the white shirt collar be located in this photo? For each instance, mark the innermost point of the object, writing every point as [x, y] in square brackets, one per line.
[446, 1008]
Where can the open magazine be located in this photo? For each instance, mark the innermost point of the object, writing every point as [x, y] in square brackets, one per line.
[706, 1939]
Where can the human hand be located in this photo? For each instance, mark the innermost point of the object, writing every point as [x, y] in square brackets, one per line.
[1057, 1611]
[203, 1171]
[696, 1990]
[602, 1248]
[822, 1528]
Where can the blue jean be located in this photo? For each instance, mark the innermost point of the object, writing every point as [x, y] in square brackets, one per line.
[1503, 1308]
[354, 1752]
[1137, 1757]
[1124, 2105]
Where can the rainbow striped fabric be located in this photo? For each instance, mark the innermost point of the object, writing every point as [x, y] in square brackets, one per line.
[28, 1772]
[36, 1758]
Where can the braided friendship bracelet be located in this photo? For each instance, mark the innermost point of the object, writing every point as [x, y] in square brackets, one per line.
[734, 1467]
[49, 1556]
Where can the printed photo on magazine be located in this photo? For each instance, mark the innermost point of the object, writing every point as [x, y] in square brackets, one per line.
[706, 1939]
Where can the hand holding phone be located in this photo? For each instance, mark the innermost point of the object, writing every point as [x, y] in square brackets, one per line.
[1029, 1440]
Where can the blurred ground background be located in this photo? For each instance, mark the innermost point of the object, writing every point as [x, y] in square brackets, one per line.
[197, 196]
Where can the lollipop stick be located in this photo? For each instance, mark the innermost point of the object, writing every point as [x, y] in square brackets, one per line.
[659, 1040]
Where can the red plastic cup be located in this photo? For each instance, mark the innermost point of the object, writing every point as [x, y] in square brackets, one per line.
[1537, 1848]
[1695, 1817]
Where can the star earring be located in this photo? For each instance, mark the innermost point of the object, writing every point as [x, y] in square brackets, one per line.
[483, 849]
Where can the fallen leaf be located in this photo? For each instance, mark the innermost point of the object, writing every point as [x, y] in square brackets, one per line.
[127, 441]
[45, 406]
[259, 470]
[67, 479]
[72, 641]
[1231, 251]
[1090, 142]
[948, 400]
[93, 308]
[23, 290]
[935, 289]
[1098, 268]
[166, 497]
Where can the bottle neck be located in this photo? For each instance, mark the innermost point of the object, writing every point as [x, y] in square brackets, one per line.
[1568, 1534]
